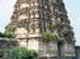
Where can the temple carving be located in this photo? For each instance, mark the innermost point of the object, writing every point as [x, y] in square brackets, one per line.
[43, 25]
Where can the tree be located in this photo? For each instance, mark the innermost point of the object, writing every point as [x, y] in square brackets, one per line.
[9, 31]
[2, 35]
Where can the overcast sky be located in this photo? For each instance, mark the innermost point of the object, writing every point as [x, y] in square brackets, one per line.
[72, 7]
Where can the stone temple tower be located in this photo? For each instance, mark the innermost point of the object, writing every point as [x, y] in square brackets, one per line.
[43, 25]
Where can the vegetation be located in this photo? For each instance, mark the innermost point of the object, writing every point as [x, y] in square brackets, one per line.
[24, 53]
[52, 24]
[48, 36]
[17, 53]
[9, 31]
[2, 35]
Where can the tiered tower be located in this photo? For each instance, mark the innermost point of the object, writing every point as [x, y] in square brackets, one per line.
[43, 25]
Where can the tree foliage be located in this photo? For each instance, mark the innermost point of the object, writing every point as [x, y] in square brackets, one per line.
[2, 35]
[9, 31]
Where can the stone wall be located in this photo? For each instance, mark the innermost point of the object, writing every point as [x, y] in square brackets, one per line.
[42, 48]
[6, 45]
[78, 52]
[58, 57]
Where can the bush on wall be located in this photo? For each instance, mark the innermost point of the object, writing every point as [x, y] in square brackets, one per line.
[48, 36]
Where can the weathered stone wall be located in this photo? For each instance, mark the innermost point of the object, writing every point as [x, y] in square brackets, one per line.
[77, 52]
[58, 57]
[43, 48]
[7, 43]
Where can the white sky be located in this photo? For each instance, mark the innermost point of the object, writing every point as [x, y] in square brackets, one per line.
[72, 6]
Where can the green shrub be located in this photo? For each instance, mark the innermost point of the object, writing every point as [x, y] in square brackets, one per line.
[52, 24]
[23, 53]
[48, 36]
